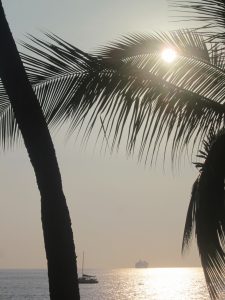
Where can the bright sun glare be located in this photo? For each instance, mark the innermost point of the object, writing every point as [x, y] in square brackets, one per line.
[169, 55]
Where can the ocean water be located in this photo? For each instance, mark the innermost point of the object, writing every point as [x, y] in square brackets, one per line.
[115, 284]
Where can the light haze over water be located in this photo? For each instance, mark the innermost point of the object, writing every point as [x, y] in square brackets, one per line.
[114, 284]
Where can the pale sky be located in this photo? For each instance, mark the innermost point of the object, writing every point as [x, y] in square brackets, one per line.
[120, 211]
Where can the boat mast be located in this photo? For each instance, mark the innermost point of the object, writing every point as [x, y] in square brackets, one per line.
[83, 264]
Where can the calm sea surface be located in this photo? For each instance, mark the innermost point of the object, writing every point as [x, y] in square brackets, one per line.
[115, 284]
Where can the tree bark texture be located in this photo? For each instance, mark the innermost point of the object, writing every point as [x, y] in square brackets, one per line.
[58, 236]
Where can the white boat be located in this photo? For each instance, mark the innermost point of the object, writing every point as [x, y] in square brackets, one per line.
[141, 264]
[86, 278]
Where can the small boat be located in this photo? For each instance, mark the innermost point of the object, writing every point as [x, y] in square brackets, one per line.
[86, 278]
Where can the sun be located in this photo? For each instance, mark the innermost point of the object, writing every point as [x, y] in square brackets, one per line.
[169, 55]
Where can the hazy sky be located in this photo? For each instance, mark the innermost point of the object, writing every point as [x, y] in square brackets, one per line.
[121, 211]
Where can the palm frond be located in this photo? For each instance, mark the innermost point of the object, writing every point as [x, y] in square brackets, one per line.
[186, 42]
[54, 82]
[133, 90]
[191, 216]
[56, 75]
[9, 131]
[210, 12]
[206, 213]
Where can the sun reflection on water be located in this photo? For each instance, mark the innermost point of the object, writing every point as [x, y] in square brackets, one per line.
[149, 284]
[169, 283]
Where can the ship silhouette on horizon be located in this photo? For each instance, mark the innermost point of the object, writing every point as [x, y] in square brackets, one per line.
[141, 264]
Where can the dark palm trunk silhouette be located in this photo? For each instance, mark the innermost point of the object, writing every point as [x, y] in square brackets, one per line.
[58, 236]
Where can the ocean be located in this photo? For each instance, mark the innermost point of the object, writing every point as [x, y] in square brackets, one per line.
[114, 284]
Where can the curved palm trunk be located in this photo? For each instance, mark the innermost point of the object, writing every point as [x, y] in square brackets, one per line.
[58, 236]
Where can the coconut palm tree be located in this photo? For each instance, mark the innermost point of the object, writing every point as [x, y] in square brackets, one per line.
[130, 93]
[25, 112]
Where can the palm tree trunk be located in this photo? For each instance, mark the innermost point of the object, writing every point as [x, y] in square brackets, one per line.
[58, 236]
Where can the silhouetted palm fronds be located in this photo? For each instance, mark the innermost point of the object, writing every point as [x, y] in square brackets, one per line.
[210, 12]
[133, 89]
[9, 132]
[206, 213]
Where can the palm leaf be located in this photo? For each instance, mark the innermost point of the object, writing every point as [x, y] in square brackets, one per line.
[209, 12]
[132, 89]
[130, 86]
[206, 213]
[53, 84]
[9, 132]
